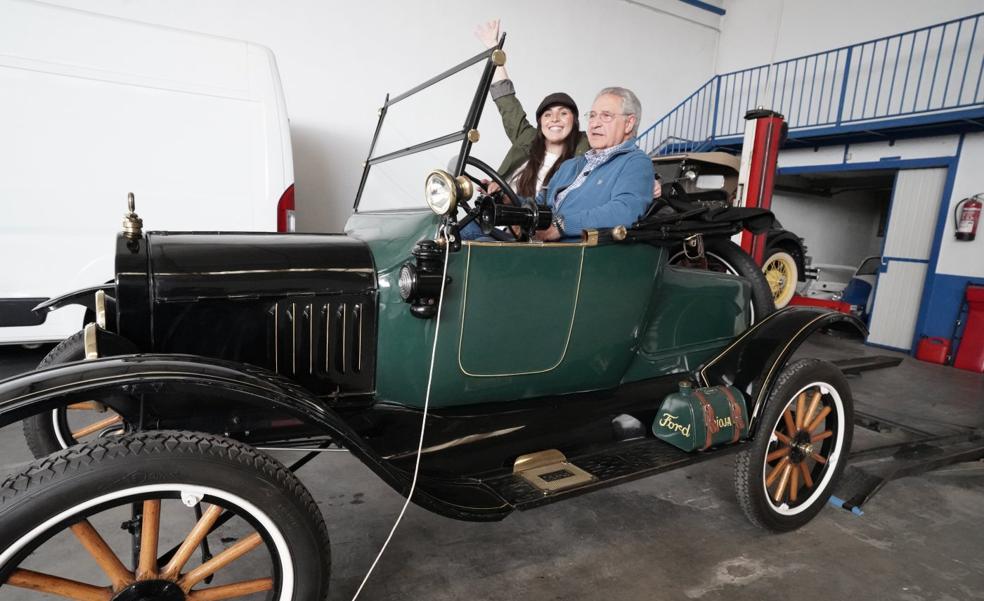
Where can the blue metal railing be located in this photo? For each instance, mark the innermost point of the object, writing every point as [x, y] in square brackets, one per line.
[926, 73]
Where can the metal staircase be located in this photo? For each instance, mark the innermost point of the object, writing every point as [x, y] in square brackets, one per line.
[920, 82]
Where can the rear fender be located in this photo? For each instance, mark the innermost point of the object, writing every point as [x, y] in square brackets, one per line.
[753, 361]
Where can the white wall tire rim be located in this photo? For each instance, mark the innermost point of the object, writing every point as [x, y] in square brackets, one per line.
[837, 404]
[286, 565]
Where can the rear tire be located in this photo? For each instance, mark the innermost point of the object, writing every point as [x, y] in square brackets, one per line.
[261, 516]
[727, 257]
[792, 465]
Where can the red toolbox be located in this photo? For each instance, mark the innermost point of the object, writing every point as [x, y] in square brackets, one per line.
[970, 353]
[933, 349]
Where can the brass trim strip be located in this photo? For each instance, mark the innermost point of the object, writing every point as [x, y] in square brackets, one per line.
[530, 244]
[327, 309]
[344, 336]
[469, 439]
[90, 343]
[570, 328]
[358, 356]
[310, 312]
[252, 271]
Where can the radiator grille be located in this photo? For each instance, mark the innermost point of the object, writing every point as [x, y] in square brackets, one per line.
[324, 342]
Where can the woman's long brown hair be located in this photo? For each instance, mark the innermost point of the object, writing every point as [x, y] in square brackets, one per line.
[527, 178]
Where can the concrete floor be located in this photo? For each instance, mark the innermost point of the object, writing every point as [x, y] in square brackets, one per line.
[679, 535]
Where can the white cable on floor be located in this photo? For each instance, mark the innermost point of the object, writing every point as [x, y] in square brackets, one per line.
[423, 422]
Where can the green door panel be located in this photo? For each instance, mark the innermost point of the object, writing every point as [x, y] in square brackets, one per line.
[695, 314]
[529, 320]
[519, 307]
[615, 287]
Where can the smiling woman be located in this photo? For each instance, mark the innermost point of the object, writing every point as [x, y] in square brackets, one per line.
[537, 151]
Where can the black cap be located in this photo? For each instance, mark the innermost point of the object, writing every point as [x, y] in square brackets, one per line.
[557, 98]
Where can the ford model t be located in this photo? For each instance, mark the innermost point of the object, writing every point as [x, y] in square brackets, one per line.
[477, 378]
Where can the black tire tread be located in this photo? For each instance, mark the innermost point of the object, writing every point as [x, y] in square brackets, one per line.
[76, 460]
[744, 480]
[38, 430]
[746, 267]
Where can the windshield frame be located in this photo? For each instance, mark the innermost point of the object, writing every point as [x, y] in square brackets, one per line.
[494, 57]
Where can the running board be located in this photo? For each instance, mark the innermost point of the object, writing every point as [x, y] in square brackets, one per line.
[614, 464]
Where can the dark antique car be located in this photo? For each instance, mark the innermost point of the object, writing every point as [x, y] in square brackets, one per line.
[475, 378]
[711, 178]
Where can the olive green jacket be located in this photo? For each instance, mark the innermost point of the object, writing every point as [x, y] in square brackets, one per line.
[518, 128]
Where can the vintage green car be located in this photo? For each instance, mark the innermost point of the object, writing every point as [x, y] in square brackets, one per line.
[475, 378]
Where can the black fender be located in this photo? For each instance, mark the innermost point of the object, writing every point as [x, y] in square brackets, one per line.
[85, 297]
[133, 383]
[121, 379]
[753, 361]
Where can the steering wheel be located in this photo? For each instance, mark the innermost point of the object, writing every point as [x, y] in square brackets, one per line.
[473, 212]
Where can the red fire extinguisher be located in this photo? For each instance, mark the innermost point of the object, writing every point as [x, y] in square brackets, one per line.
[967, 214]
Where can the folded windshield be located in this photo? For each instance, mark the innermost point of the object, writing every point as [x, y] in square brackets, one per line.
[423, 129]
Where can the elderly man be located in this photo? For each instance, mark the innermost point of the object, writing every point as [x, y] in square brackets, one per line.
[611, 184]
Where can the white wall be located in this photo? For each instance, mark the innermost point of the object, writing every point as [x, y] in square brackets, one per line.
[757, 32]
[960, 257]
[338, 60]
[841, 230]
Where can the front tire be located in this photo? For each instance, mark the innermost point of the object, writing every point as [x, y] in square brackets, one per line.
[804, 437]
[62, 427]
[264, 530]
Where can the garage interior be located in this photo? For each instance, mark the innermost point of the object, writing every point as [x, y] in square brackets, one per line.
[874, 169]
[842, 215]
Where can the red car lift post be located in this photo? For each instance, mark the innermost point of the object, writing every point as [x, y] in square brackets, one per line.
[764, 134]
[970, 352]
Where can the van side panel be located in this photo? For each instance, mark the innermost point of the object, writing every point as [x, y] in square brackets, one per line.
[95, 107]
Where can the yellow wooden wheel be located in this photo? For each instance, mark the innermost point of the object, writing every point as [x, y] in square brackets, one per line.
[781, 274]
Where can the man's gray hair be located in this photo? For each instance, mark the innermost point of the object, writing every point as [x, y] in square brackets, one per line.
[630, 103]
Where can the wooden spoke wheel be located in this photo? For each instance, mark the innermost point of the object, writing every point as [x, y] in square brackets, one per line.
[781, 273]
[63, 427]
[803, 438]
[167, 516]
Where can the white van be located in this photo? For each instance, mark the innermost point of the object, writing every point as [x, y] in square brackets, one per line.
[93, 107]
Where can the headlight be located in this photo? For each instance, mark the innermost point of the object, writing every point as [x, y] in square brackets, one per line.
[440, 191]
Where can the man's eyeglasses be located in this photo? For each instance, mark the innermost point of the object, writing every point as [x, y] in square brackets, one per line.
[604, 116]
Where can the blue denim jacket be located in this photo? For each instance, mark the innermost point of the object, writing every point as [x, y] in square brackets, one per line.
[616, 192]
